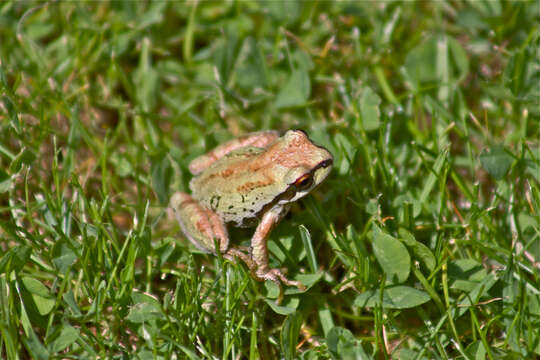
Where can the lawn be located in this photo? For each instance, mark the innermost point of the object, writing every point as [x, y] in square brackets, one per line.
[423, 242]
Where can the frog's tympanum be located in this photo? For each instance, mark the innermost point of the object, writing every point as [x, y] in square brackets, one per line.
[249, 181]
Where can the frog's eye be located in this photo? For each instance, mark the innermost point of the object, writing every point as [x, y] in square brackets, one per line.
[304, 182]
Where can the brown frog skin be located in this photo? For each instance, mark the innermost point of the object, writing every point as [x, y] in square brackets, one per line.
[249, 181]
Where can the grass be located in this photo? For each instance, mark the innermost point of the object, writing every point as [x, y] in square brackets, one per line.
[424, 243]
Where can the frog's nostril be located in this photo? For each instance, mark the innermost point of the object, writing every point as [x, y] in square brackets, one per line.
[326, 163]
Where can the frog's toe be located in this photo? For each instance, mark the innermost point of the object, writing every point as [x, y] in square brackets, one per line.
[276, 276]
[288, 282]
[268, 275]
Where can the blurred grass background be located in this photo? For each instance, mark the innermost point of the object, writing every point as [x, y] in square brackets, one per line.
[424, 243]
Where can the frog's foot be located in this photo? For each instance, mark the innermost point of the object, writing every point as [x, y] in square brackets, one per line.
[262, 273]
[276, 276]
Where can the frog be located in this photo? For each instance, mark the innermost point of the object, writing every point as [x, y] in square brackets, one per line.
[251, 180]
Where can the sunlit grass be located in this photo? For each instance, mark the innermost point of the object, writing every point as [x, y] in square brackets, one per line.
[424, 242]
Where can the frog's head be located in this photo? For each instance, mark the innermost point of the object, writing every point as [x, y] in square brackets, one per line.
[308, 165]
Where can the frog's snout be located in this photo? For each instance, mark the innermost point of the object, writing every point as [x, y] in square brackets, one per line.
[326, 163]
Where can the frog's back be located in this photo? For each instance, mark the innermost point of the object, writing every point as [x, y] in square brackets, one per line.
[224, 172]
[236, 188]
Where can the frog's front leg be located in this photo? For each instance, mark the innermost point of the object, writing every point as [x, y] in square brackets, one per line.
[259, 250]
[199, 224]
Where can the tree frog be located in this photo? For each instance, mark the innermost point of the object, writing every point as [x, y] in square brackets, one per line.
[249, 181]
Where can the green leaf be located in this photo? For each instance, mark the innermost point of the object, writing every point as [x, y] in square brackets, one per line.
[373, 207]
[283, 11]
[6, 181]
[189, 353]
[3, 80]
[25, 156]
[531, 169]
[289, 306]
[64, 257]
[394, 297]
[534, 306]
[307, 279]
[496, 161]
[420, 62]
[521, 74]
[478, 292]
[145, 78]
[466, 269]
[346, 151]
[12, 113]
[343, 345]
[296, 90]
[369, 109]
[69, 299]
[189, 34]
[420, 250]
[226, 54]
[36, 348]
[301, 60]
[121, 165]
[408, 354]
[432, 177]
[459, 63]
[476, 351]
[326, 319]
[41, 295]
[392, 255]
[162, 174]
[143, 354]
[251, 72]
[289, 334]
[67, 336]
[425, 255]
[481, 289]
[15, 259]
[423, 63]
[487, 8]
[144, 309]
[308, 246]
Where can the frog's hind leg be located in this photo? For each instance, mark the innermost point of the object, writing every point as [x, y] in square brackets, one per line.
[199, 224]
